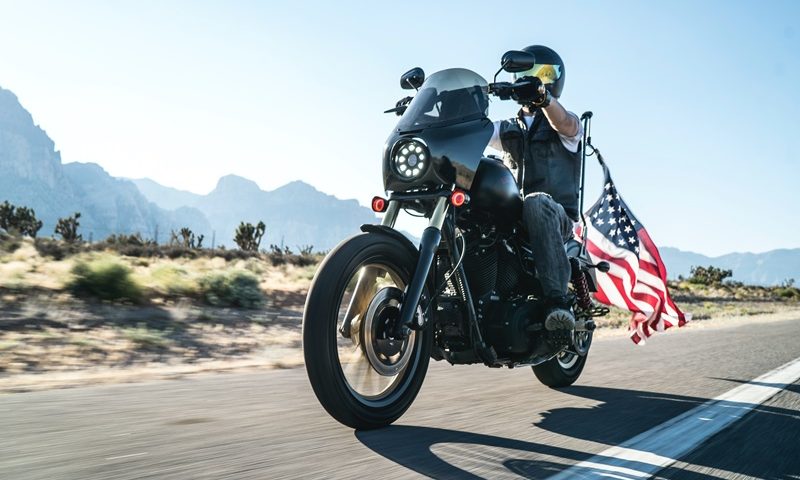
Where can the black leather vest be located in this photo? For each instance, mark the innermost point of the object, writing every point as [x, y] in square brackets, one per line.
[547, 166]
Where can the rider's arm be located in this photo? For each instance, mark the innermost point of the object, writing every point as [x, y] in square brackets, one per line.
[495, 142]
[562, 121]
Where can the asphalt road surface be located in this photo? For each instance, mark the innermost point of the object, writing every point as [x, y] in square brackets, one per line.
[468, 421]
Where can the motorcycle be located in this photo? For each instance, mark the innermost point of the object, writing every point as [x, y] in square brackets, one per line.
[379, 307]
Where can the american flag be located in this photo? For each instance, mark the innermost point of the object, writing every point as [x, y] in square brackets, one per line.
[637, 279]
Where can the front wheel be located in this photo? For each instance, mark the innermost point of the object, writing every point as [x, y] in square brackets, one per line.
[363, 373]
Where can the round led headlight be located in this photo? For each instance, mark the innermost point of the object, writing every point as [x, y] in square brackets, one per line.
[410, 159]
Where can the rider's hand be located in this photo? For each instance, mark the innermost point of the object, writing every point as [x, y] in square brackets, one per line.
[501, 89]
[529, 90]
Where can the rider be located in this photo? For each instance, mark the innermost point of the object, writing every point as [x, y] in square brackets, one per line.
[542, 145]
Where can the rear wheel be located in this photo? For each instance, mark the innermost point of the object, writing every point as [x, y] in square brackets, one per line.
[564, 369]
[363, 373]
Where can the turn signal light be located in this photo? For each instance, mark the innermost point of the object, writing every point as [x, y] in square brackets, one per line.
[379, 204]
[458, 197]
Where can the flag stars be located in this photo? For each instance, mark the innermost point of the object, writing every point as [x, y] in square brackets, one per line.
[631, 239]
[607, 186]
[600, 221]
[628, 229]
[621, 242]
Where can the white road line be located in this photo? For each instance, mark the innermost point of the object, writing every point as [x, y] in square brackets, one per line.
[645, 454]
[127, 456]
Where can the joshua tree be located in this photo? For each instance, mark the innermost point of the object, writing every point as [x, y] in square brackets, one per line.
[68, 228]
[186, 238]
[248, 237]
[20, 220]
[710, 275]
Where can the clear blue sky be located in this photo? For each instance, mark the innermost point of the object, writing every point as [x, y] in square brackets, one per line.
[696, 103]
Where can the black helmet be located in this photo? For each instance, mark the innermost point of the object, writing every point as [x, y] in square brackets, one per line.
[549, 68]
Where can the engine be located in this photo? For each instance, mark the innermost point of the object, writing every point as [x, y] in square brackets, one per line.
[502, 290]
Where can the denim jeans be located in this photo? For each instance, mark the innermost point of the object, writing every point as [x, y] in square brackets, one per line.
[549, 228]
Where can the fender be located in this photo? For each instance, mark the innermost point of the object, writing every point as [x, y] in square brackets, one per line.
[391, 232]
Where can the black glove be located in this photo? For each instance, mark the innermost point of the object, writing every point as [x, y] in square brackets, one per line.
[501, 89]
[530, 91]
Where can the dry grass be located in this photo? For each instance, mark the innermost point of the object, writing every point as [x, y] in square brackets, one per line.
[46, 330]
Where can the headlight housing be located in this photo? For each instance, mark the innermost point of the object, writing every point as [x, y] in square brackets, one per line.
[410, 159]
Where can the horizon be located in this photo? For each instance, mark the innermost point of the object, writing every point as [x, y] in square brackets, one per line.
[414, 225]
[157, 90]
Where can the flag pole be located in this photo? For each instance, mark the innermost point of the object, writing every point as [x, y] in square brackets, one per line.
[586, 118]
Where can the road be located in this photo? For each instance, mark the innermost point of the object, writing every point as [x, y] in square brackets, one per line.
[468, 421]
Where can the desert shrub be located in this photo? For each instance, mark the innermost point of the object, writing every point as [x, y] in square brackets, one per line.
[147, 339]
[235, 289]
[105, 279]
[306, 256]
[56, 249]
[19, 220]
[788, 293]
[173, 281]
[709, 275]
[279, 255]
[8, 243]
[132, 239]
[68, 228]
[248, 237]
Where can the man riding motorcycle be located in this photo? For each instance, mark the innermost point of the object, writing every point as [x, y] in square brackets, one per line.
[542, 145]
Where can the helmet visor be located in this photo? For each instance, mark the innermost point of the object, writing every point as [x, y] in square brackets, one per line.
[546, 73]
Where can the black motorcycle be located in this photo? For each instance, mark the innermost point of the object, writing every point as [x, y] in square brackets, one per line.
[379, 307]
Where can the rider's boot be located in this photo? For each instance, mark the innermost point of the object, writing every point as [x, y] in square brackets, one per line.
[559, 313]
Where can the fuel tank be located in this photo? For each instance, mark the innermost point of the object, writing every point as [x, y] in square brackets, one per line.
[494, 191]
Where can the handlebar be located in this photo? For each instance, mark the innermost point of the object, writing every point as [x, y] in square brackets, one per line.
[505, 90]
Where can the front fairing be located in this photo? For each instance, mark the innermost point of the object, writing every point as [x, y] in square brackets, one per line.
[449, 116]
[455, 151]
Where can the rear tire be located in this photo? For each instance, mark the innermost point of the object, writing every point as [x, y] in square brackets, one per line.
[560, 371]
[323, 342]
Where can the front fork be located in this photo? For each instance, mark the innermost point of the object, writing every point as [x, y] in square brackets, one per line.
[431, 237]
[363, 293]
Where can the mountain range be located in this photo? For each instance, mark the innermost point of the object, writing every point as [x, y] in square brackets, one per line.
[769, 268]
[32, 174]
[296, 214]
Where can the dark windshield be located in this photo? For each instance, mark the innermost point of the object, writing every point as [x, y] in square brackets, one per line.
[446, 98]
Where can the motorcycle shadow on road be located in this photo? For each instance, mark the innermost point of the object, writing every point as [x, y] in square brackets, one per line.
[619, 415]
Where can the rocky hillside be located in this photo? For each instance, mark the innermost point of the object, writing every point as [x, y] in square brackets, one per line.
[31, 174]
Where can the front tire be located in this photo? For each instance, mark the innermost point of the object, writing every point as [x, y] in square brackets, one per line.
[362, 376]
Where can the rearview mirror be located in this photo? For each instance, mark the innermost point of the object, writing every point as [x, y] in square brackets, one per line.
[412, 79]
[517, 61]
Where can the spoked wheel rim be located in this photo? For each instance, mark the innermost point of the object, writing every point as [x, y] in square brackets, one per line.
[375, 362]
[567, 359]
